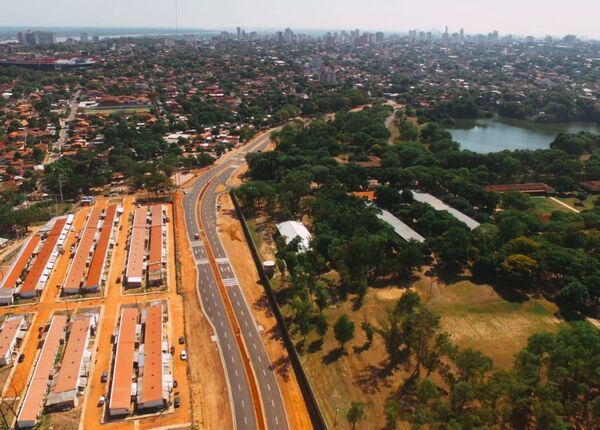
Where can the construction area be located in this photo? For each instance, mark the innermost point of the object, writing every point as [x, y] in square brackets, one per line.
[91, 323]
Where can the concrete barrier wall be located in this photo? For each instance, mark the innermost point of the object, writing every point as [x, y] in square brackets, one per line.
[312, 405]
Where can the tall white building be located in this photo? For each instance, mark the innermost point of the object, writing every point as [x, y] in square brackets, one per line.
[32, 38]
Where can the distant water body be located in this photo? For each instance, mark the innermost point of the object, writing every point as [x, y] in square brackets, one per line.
[485, 135]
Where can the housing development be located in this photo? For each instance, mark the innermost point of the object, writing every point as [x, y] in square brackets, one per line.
[286, 229]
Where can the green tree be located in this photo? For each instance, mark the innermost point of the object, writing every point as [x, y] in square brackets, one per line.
[369, 331]
[343, 330]
[321, 325]
[356, 413]
[575, 296]
[520, 269]
[454, 249]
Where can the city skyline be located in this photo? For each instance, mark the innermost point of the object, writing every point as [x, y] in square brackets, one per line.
[548, 17]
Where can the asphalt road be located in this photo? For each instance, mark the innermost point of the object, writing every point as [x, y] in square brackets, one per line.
[214, 307]
[62, 135]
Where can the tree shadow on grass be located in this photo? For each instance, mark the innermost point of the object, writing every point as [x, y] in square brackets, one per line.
[362, 348]
[375, 377]
[315, 346]
[333, 356]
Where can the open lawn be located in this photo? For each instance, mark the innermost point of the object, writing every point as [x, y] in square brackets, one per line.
[474, 316]
[544, 206]
[588, 203]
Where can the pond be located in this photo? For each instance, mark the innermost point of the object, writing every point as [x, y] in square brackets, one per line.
[485, 135]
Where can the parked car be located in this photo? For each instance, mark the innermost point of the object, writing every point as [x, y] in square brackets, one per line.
[183, 355]
[104, 377]
[177, 402]
[101, 401]
[181, 340]
[21, 358]
[175, 384]
[172, 350]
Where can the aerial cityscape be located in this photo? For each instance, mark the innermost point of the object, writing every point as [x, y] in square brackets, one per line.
[215, 218]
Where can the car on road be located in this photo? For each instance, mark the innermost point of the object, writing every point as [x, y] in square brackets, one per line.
[177, 402]
[181, 340]
[101, 401]
[183, 355]
[175, 384]
[196, 236]
[104, 377]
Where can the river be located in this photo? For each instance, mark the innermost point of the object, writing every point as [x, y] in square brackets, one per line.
[485, 135]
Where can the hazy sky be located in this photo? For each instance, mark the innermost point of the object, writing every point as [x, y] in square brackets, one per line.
[537, 17]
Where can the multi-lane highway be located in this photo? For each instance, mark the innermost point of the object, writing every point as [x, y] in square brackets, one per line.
[208, 284]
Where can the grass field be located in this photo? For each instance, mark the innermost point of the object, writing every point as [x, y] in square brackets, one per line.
[588, 203]
[545, 206]
[117, 111]
[476, 317]
[473, 315]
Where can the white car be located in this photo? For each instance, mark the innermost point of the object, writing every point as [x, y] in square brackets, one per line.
[183, 355]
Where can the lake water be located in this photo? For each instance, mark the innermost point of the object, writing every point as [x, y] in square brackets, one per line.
[496, 134]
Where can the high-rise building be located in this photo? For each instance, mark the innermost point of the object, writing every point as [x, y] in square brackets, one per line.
[239, 33]
[379, 37]
[84, 38]
[329, 77]
[288, 35]
[32, 38]
[461, 36]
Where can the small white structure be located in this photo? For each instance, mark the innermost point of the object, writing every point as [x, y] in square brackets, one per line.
[290, 230]
[439, 205]
[401, 229]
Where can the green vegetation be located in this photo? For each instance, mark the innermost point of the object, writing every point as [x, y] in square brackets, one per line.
[522, 250]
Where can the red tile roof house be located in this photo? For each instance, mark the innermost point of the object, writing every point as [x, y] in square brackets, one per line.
[530, 188]
[591, 186]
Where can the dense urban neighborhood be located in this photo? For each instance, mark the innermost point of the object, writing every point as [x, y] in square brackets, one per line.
[285, 230]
